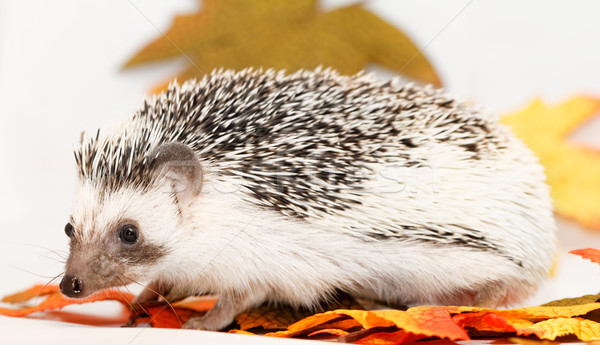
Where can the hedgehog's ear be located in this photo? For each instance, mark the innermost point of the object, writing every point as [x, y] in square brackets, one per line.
[178, 164]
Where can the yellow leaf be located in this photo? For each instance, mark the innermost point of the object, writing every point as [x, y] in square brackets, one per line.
[585, 330]
[287, 35]
[573, 172]
[549, 312]
[573, 301]
[524, 341]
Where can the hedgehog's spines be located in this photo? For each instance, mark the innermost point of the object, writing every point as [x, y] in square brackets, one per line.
[254, 124]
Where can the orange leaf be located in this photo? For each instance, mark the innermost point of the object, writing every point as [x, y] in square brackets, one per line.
[342, 324]
[490, 322]
[380, 327]
[367, 319]
[333, 331]
[588, 253]
[484, 322]
[166, 317]
[308, 323]
[389, 338]
[201, 304]
[32, 292]
[55, 300]
[428, 321]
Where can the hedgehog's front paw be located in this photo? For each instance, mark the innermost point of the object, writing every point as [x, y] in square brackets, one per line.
[225, 310]
[207, 323]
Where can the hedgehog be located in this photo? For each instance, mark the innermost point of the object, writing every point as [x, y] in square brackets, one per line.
[262, 186]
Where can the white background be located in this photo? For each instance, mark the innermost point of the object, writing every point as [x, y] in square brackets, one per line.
[60, 73]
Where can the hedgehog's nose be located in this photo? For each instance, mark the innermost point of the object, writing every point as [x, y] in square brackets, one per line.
[71, 286]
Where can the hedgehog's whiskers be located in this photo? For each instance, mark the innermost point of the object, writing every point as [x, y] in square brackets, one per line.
[124, 285]
[60, 253]
[131, 322]
[49, 282]
[46, 255]
[159, 295]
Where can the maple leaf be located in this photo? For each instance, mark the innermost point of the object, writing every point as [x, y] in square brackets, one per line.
[289, 35]
[588, 253]
[572, 171]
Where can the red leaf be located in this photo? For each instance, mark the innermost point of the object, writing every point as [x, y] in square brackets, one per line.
[588, 253]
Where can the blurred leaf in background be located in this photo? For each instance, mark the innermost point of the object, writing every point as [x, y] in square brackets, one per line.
[573, 172]
[290, 35]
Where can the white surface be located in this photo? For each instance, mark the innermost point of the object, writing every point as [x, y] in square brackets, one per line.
[60, 73]
[60, 333]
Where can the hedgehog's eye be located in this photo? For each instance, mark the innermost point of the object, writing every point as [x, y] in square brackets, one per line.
[69, 230]
[129, 234]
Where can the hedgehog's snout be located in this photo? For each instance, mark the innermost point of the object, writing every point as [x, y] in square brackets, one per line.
[71, 286]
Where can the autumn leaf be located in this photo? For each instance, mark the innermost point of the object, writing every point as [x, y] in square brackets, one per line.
[489, 322]
[308, 325]
[333, 331]
[571, 316]
[427, 321]
[524, 341]
[55, 300]
[588, 253]
[34, 291]
[375, 336]
[453, 323]
[573, 301]
[421, 321]
[572, 171]
[200, 304]
[270, 317]
[164, 316]
[549, 312]
[287, 35]
[585, 330]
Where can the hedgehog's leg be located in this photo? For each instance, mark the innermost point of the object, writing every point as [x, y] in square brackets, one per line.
[225, 310]
[155, 290]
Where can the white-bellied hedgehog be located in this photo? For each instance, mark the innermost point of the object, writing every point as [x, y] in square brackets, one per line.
[260, 186]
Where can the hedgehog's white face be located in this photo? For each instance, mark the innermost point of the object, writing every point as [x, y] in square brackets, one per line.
[117, 238]
[125, 236]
